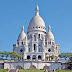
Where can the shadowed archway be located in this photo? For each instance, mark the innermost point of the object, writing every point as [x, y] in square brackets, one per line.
[32, 67]
[28, 57]
[19, 67]
[34, 57]
[46, 67]
[39, 57]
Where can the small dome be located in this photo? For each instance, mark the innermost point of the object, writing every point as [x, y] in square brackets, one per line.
[49, 34]
[22, 35]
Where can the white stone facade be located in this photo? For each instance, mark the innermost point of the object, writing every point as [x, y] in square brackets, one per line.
[29, 64]
[38, 43]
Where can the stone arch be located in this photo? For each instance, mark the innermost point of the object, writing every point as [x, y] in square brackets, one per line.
[34, 57]
[28, 57]
[19, 67]
[39, 56]
[32, 67]
[46, 67]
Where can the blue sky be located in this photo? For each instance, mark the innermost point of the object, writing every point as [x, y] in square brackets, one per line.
[15, 13]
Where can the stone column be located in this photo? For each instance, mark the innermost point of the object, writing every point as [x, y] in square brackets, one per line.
[43, 56]
[37, 47]
[31, 57]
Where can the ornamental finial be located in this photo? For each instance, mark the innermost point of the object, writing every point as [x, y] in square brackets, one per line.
[37, 10]
[49, 28]
[22, 28]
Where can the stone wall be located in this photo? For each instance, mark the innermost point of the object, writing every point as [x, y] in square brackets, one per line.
[1, 65]
[32, 64]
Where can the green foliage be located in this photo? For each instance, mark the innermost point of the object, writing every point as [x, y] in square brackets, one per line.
[63, 71]
[2, 54]
[3, 70]
[6, 54]
[52, 57]
[9, 54]
[28, 70]
[65, 55]
[47, 57]
[15, 55]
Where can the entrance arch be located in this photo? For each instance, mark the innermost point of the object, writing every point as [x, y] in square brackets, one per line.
[28, 57]
[32, 67]
[39, 57]
[19, 67]
[34, 57]
[46, 67]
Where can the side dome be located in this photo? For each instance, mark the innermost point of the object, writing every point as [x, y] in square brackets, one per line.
[49, 34]
[37, 23]
[22, 35]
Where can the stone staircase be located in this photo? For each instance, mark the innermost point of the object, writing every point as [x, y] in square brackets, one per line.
[50, 71]
[13, 70]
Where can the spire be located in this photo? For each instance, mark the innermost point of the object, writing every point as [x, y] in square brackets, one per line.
[49, 28]
[37, 10]
[22, 28]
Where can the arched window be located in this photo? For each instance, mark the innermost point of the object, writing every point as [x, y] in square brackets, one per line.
[39, 57]
[49, 42]
[39, 35]
[28, 57]
[34, 37]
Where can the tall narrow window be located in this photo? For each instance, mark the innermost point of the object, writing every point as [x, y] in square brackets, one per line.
[49, 42]
[18, 43]
[39, 35]
[29, 49]
[39, 49]
[34, 47]
[34, 37]
[22, 43]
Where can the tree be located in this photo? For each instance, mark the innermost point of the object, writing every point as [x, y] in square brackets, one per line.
[64, 55]
[2, 54]
[19, 56]
[69, 64]
[56, 57]
[47, 57]
[15, 55]
[6, 54]
[52, 57]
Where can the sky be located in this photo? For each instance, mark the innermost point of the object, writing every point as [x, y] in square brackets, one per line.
[15, 13]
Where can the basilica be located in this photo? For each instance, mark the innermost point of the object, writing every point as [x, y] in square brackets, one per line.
[37, 44]
[35, 48]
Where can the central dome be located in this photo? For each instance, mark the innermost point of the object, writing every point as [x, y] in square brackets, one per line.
[37, 20]
[37, 23]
